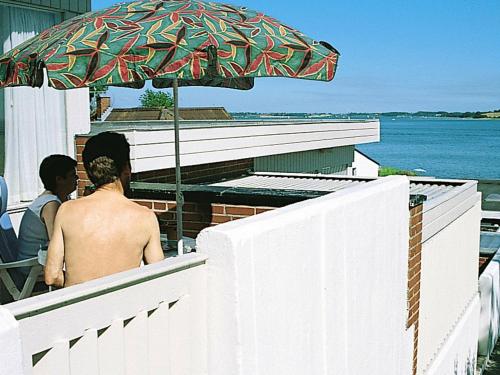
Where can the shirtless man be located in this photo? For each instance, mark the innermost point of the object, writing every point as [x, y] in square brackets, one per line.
[102, 233]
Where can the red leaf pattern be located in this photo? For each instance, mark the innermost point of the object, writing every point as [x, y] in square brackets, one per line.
[126, 43]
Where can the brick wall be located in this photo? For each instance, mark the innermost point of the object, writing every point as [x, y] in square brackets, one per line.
[197, 216]
[83, 179]
[198, 173]
[414, 268]
[190, 174]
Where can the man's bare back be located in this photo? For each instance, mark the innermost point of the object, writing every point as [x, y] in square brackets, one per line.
[102, 234]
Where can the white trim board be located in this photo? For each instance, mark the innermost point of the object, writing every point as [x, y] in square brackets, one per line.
[440, 212]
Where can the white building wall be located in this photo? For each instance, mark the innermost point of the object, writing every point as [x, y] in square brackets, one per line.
[77, 116]
[317, 287]
[363, 166]
[449, 282]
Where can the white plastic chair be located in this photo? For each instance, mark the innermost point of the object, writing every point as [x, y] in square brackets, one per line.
[16, 283]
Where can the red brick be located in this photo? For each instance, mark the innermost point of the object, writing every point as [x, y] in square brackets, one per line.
[414, 301]
[148, 204]
[218, 209]
[412, 319]
[259, 210]
[416, 210]
[415, 250]
[415, 220]
[219, 219]
[82, 184]
[413, 293]
[82, 175]
[417, 231]
[415, 260]
[80, 141]
[159, 206]
[413, 310]
[240, 210]
[415, 241]
[413, 271]
[414, 280]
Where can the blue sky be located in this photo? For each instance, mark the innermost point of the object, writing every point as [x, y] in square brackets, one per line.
[396, 55]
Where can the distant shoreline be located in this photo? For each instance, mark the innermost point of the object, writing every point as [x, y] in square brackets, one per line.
[369, 115]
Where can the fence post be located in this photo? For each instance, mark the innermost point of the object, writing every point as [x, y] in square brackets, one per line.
[11, 356]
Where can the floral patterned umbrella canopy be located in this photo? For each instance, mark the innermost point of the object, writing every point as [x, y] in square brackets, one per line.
[173, 43]
[200, 43]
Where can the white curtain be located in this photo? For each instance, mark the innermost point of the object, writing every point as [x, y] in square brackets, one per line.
[35, 124]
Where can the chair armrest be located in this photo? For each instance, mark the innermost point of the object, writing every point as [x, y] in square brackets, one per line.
[21, 263]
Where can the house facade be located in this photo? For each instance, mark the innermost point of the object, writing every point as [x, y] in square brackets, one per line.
[36, 122]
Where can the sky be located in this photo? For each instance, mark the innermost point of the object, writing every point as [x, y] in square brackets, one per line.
[396, 55]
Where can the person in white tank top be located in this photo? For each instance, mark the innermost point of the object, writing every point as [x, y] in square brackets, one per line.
[58, 175]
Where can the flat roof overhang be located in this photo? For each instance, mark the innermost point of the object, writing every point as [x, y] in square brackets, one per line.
[152, 142]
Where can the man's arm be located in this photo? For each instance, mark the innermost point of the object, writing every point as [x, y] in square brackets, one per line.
[48, 214]
[54, 274]
[153, 252]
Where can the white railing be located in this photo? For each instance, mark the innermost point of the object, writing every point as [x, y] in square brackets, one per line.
[150, 320]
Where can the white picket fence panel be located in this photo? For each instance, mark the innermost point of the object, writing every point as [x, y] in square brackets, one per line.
[147, 321]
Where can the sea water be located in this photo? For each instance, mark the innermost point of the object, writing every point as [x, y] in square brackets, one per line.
[446, 148]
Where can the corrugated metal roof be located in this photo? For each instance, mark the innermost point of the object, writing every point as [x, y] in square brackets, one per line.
[431, 189]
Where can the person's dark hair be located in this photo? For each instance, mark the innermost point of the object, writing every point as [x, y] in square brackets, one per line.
[53, 166]
[105, 156]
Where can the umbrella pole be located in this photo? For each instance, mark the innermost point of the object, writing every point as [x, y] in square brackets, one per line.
[179, 199]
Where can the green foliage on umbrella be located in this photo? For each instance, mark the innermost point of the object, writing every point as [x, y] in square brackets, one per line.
[200, 43]
[156, 99]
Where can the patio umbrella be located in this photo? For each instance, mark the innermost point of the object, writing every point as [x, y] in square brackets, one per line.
[173, 43]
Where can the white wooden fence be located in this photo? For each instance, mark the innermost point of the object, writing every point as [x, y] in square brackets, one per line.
[318, 287]
[146, 321]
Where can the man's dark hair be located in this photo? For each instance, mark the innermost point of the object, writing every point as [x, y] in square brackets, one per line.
[105, 156]
[53, 166]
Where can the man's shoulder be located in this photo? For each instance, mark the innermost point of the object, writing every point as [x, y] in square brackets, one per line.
[120, 205]
[71, 207]
[140, 209]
